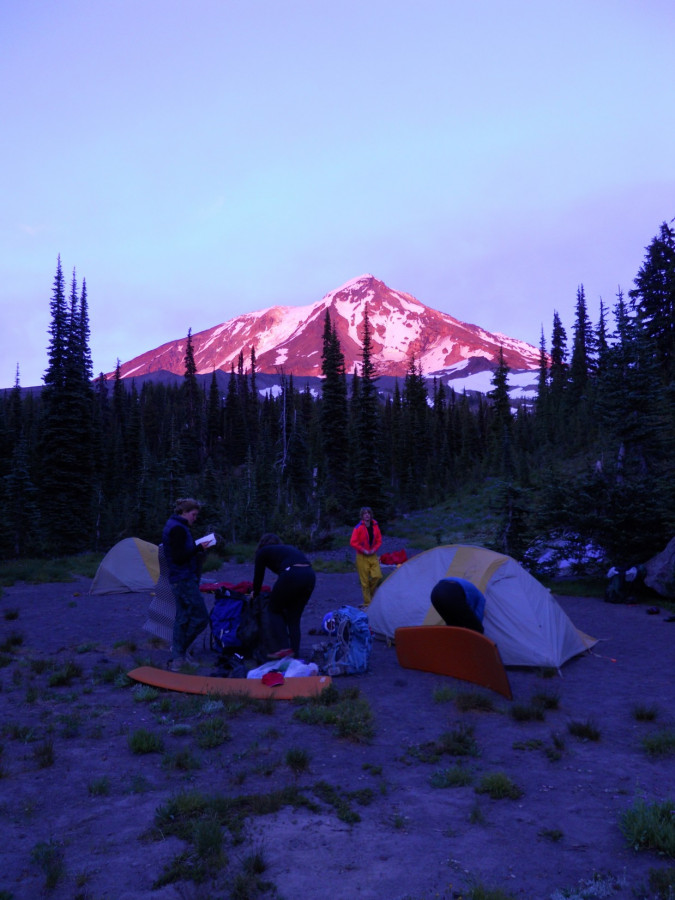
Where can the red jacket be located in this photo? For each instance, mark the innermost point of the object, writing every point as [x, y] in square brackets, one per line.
[359, 539]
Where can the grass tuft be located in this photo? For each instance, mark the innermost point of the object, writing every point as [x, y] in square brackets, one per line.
[643, 712]
[48, 857]
[650, 826]
[64, 676]
[474, 700]
[99, 787]
[211, 733]
[498, 786]
[585, 731]
[348, 713]
[455, 776]
[660, 744]
[143, 741]
[44, 754]
[527, 712]
[297, 760]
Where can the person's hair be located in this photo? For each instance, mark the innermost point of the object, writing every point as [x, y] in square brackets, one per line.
[267, 539]
[365, 509]
[185, 505]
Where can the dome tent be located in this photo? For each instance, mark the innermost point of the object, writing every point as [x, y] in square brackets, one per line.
[131, 565]
[521, 615]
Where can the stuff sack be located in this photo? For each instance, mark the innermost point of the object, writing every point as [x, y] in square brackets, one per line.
[348, 653]
[249, 632]
[225, 618]
[622, 582]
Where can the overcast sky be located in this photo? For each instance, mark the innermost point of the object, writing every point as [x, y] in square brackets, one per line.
[195, 160]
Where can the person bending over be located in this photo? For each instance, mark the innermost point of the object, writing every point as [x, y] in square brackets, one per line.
[459, 602]
[289, 595]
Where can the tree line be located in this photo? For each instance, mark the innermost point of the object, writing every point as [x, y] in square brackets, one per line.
[87, 461]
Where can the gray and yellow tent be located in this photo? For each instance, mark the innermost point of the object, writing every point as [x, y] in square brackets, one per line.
[131, 565]
[521, 615]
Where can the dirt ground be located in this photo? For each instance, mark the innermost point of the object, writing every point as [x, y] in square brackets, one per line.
[72, 790]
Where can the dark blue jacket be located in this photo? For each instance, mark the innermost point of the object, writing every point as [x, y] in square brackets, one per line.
[180, 550]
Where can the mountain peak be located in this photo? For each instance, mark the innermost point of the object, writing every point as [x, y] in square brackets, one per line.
[291, 338]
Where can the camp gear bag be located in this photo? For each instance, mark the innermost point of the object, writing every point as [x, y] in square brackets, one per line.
[225, 618]
[249, 631]
[348, 653]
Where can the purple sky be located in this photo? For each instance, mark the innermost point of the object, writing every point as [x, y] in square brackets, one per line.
[197, 160]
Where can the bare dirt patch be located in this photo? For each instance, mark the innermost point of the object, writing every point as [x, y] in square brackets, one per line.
[378, 822]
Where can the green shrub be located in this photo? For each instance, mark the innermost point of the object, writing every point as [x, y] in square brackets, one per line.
[662, 883]
[297, 760]
[650, 826]
[585, 731]
[644, 713]
[44, 753]
[64, 676]
[99, 787]
[48, 857]
[474, 700]
[526, 712]
[660, 744]
[498, 786]
[211, 733]
[143, 741]
[455, 776]
[349, 713]
[11, 643]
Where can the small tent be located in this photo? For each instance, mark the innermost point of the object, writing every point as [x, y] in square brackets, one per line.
[131, 565]
[521, 615]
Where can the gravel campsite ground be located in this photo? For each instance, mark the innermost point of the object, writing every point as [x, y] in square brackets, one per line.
[385, 815]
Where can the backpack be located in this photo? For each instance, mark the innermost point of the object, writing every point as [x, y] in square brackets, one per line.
[225, 618]
[348, 653]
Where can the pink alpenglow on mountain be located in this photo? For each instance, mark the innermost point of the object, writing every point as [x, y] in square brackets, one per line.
[291, 338]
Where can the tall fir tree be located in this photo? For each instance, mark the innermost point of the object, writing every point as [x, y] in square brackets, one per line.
[582, 349]
[67, 444]
[334, 414]
[368, 479]
[653, 297]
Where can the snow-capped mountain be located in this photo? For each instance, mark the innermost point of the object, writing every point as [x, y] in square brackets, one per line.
[291, 338]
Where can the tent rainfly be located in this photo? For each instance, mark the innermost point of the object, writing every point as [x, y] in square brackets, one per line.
[521, 615]
[131, 565]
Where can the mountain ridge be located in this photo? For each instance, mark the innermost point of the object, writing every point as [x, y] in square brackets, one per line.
[291, 338]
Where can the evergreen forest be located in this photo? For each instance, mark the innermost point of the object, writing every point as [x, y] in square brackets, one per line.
[85, 461]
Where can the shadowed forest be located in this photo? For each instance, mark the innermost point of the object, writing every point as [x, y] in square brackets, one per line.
[87, 461]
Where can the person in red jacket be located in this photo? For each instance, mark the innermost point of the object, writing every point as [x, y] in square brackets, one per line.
[366, 539]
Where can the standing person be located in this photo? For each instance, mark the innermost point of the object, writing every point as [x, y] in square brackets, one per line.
[459, 602]
[184, 560]
[366, 539]
[289, 596]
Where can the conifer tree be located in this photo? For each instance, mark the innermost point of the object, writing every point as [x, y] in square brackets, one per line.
[653, 297]
[66, 449]
[368, 480]
[501, 423]
[192, 432]
[582, 349]
[334, 413]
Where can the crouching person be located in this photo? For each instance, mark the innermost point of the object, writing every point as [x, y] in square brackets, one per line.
[459, 603]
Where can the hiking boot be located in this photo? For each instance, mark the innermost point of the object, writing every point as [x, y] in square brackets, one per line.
[176, 664]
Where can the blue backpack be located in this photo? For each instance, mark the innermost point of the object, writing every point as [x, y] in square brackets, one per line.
[348, 653]
[224, 619]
